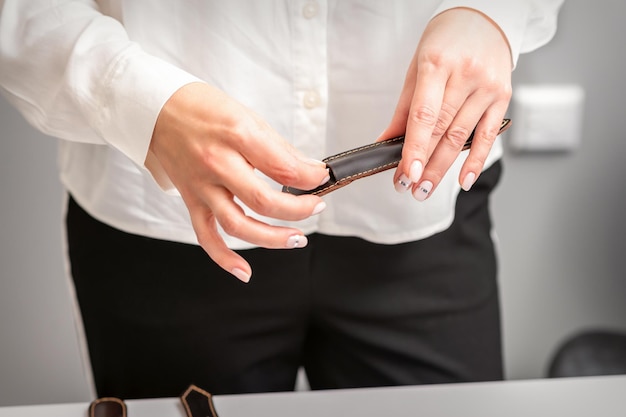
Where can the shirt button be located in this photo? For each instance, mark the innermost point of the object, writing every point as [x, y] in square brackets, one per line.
[311, 99]
[310, 10]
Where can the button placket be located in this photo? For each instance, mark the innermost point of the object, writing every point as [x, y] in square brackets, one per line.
[310, 76]
[311, 98]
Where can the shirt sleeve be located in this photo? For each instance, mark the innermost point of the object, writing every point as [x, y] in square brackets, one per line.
[74, 74]
[527, 24]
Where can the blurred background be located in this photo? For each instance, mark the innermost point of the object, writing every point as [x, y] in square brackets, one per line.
[559, 217]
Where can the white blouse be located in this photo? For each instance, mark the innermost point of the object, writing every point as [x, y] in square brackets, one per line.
[326, 74]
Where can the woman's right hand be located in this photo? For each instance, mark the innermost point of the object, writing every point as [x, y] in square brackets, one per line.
[209, 145]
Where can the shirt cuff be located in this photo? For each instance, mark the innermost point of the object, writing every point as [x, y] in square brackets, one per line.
[132, 96]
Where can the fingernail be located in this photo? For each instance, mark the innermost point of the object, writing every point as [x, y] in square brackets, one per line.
[415, 172]
[241, 275]
[296, 241]
[315, 162]
[319, 208]
[468, 181]
[326, 179]
[422, 191]
[402, 183]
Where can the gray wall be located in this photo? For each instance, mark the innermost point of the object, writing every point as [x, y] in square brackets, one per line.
[559, 219]
[39, 354]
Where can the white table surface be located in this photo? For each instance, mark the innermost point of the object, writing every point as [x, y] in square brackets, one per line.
[570, 397]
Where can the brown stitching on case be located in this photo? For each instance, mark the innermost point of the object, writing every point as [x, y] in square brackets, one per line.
[347, 180]
[344, 181]
[371, 145]
[369, 171]
[506, 123]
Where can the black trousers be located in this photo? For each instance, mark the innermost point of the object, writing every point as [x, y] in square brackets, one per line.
[160, 315]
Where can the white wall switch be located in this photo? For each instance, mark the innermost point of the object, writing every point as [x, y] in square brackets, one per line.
[546, 117]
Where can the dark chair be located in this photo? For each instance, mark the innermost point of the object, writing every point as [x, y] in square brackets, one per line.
[590, 353]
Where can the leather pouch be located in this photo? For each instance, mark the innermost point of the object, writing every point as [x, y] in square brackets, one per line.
[107, 407]
[198, 402]
[364, 161]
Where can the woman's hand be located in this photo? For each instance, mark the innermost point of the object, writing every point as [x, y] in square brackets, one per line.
[209, 145]
[458, 80]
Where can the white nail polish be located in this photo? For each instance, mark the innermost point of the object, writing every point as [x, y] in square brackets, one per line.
[319, 208]
[325, 180]
[468, 181]
[422, 191]
[296, 241]
[402, 184]
[415, 172]
[240, 274]
[316, 162]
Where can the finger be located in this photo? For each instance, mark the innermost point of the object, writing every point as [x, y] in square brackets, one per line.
[450, 146]
[455, 96]
[241, 180]
[234, 221]
[397, 126]
[267, 151]
[204, 225]
[422, 119]
[484, 136]
[446, 115]
[452, 101]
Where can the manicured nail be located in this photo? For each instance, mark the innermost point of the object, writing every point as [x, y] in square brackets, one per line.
[402, 183]
[319, 208]
[326, 178]
[241, 275]
[296, 241]
[415, 172]
[422, 191]
[468, 181]
[315, 162]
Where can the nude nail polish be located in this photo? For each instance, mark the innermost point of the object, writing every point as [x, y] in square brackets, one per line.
[423, 190]
[315, 162]
[296, 241]
[402, 184]
[326, 178]
[416, 170]
[468, 181]
[319, 208]
[241, 275]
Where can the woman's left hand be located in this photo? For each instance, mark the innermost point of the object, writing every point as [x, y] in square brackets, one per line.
[459, 79]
